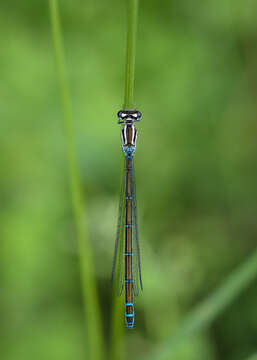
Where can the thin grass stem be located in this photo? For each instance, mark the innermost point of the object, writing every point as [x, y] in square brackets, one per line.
[210, 309]
[91, 306]
[117, 331]
[132, 12]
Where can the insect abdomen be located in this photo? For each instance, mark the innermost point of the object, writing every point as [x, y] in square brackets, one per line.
[130, 316]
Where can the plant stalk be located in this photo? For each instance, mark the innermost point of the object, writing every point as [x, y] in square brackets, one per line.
[132, 11]
[90, 299]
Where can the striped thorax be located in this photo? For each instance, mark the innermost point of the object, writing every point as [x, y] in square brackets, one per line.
[128, 131]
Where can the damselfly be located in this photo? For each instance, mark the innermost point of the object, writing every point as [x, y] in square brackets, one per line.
[126, 269]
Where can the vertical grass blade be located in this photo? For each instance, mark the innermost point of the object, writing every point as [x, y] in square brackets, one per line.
[132, 11]
[91, 306]
[205, 313]
[117, 329]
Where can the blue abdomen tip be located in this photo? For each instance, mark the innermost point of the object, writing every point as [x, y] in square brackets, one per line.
[130, 324]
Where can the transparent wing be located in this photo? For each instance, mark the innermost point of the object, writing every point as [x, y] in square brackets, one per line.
[137, 275]
[118, 267]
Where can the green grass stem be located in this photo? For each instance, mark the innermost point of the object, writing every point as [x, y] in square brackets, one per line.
[91, 306]
[132, 11]
[210, 309]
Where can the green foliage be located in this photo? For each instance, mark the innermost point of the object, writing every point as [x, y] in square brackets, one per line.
[211, 308]
[196, 179]
[253, 357]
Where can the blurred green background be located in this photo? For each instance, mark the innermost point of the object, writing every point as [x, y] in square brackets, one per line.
[196, 166]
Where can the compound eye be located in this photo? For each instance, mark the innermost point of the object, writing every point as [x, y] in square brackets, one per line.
[137, 115]
[121, 114]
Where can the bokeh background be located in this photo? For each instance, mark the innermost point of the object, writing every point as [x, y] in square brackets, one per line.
[196, 166]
